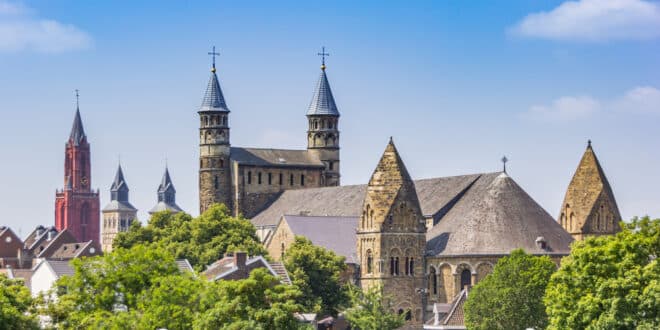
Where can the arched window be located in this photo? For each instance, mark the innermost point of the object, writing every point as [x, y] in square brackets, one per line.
[407, 266]
[370, 262]
[270, 178]
[259, 178]
[396, 266]
[280, 179]
[249, 177]
[408, 315]
[216, 183]
[392, 271]
[411, 267]
[466, 278]
[331, 166]
[302, 179]
[291, 180]
[433, 281]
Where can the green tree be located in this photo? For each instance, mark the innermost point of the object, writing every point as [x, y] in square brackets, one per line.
[201, 240]
[16, 305]
[512, 296]
[371, 311]
[609, 282]
[317, 272]
[258, 302]
[145, 281]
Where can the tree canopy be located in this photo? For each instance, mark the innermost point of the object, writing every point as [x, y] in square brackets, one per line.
[512, 296]
[16, 305]
[317, 272]
[609, 282]
[201, 240]
[371, 311]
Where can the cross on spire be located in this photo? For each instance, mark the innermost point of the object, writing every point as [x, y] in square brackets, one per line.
[504, 161]
[323, 54]
[213, 54]
[77, 99]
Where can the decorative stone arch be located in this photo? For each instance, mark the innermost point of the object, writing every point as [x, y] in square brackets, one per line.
[445, 282]
[483, 269]
[432, 280]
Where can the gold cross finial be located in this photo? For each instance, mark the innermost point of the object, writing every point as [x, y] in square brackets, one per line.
[213, 54]
[323, 54]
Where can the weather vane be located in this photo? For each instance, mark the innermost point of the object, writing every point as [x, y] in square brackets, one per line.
[504, 161]
[213, 54]
[323, 54]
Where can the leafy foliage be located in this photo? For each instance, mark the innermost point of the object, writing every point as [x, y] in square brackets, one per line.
[259, 302]
[317, 272]
[371, 311]
[16, 305]
[201, 240]
[512, 296]
[609, 282]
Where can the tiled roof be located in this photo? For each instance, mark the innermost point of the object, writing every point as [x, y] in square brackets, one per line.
[77, 130]
[213, 99]
[323, 103]
[184, 265]
[336, 234]
[74, 250]
[60, 267]
[343, 201]
[496, 216]
[275, 157]
[51, 246]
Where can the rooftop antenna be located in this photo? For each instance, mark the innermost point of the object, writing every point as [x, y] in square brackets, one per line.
[213, 54]
[504, 161]
[323, 54]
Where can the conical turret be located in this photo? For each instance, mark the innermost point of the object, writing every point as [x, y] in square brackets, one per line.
[589, 206]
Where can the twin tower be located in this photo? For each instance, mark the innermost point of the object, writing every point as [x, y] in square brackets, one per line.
[247, 180]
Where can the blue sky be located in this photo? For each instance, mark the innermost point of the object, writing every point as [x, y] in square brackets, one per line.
[457, 84]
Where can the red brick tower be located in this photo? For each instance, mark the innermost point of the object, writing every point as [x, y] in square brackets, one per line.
[77, 205]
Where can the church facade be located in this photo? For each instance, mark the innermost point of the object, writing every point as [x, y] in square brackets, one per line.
[249, 179]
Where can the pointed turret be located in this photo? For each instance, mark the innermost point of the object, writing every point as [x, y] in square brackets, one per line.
[323, 131]
[589, 208]
[213, 99]
[119, 213]
[166, 195]
[77, 131]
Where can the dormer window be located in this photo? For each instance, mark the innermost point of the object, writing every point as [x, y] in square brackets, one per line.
[541, 243]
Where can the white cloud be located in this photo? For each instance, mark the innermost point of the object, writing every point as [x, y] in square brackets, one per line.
[594, 20]
[565, 108]
[20, 31]
[643, 99]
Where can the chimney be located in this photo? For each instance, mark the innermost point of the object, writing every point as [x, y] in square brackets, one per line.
[50, 235]
[239, 259]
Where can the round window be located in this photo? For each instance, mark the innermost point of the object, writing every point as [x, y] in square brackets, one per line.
[8, 239]
[92, 250]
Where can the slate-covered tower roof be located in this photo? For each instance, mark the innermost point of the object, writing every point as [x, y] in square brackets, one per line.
[119, 188]
[77, 135]
[213, 99]
[323, 103]
[166, 195]
[589, 206]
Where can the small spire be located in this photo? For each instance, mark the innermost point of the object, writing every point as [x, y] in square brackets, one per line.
[213, 99]
[77, 130]
[504, 161]
[589, 143]
[323, 54]
[77, 99]
[323, 103]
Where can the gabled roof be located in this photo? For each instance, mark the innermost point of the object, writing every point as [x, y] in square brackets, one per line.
[57, 267]
[226, 266]
[77, 131]
[51, 246]
[323, 103]
[75, 250]
[496, 216]
[275, 157]
[213, 99]
[336, 234]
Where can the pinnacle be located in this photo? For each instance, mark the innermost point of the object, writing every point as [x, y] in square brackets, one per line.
[214, 100]
[323, 103]
[77, 130]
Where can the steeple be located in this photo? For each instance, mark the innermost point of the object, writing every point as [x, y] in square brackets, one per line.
[589, 206]
[213, 100]
[119, 189]
[166, 195]
[77, 131]
[323, 103]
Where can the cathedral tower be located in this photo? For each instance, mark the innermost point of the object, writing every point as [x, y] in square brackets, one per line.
[391, 236]
[323, 131]
[214, 147]
[119, 213]
[77, 205]
[589, 208]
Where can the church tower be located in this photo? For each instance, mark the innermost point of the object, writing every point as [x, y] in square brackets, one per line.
[323, 131]
[166, 195]
[391, 236]
[77, 205]
[214, 147]
[589, 208]
[119, 213]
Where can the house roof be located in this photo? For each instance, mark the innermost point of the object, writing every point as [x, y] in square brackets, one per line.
[226, 266]
[184, 265]
[275, 157]
[433, 194]
[58, 267]
[75, 250]
[496, 216]
[52, 245]
[336, 234]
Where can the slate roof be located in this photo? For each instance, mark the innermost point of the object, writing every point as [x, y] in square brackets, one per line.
[60, 267]
[119, 206]
[323, 103]
[333, 233]
[74, 250]
[496, 216]
[162, 206]
[213, 99]
[346, 201]
[77, 130]
[275, 157]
